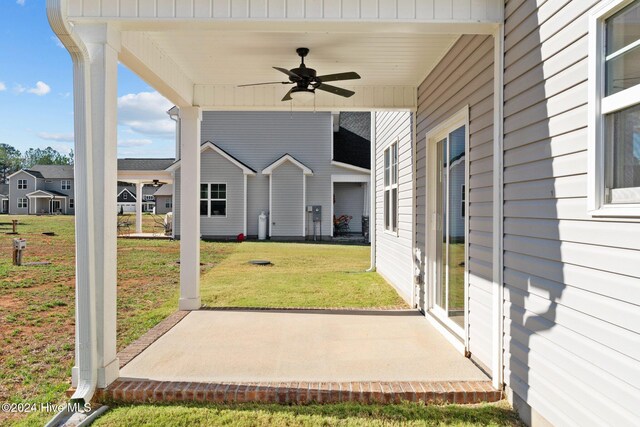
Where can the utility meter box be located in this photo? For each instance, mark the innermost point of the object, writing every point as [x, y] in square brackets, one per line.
[317, 213]
[19, 244]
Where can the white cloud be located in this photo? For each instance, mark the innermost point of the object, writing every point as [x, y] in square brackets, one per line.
[2, 86]
[63, 148]
[20, 2]
[57, 42]
[18, 88]
[61, 137]
[134, 142]
[40, 89]
[146, 113]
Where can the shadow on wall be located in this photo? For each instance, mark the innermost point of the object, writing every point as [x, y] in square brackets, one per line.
[530, 302]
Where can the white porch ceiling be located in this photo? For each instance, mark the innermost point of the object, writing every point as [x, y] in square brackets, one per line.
[233, 58]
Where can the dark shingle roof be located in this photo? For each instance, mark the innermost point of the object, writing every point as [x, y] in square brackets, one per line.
[144, 164]
[352, 144]
[53, 171]
[34, 173]
[4, 189]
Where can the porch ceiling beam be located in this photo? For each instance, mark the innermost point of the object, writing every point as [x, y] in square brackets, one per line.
[233, 98]
[159, 70]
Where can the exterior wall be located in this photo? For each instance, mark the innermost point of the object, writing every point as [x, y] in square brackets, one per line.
[15, 194]
[55, 184]
[394, 258]
[161, 202]
[349, 200]
[465, 77]
[260, 138]
[287, 201]
[216, 169]
[572, 282]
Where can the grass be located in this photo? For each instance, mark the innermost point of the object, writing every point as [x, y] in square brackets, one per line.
[302, 275]
[345, 414]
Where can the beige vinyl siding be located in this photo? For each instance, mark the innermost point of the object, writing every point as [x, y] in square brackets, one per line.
[465, 77]
[393, 252]
[286, 201]
[572, 283]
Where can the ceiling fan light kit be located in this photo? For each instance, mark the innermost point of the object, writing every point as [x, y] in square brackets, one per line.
[307, 81]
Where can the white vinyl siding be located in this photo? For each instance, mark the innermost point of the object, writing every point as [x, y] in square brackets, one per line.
[394, 260]
[465, 77]
[572, 282]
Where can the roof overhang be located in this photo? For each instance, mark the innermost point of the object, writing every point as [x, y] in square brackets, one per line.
[196, 53]
[286, 158]
[21, 171]
[350, 167]
[46, 194]
[208, 145]
[145, 177]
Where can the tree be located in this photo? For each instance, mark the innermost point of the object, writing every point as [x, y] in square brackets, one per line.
[10, 160]
[47, 156]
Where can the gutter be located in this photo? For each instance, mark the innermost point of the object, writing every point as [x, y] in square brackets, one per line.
[372, 195]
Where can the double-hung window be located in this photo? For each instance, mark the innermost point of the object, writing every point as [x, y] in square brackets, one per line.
[22, 184]
[71, 204]
[22, 203]
[66, 184]
[614, 140]
[213, 199]
[391, 188]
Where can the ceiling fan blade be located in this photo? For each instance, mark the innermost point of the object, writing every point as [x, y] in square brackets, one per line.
[292, 75]
[287, 97]
[336, 90]
[267, 83]
[340, 76]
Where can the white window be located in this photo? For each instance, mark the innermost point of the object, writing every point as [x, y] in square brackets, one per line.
[148, 197]
[66, 184]
[213, 199]
[22, 203]
[614, 139]
[22, 184]
[391, 188]
[71, 204]
[168, 204]
[124, 196]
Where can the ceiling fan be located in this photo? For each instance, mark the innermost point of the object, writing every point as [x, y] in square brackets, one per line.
[306, 81]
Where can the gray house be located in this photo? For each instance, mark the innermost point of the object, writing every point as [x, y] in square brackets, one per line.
[42, 189]
[164, 199]
[282, 164]
[4, 198]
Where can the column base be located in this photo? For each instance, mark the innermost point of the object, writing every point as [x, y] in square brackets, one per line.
[189, 304]
[109, 373]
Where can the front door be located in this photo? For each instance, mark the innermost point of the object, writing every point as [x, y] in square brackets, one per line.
[447, 240]
[55, 206]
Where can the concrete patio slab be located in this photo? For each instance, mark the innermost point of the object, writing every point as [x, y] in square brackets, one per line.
[227, 346]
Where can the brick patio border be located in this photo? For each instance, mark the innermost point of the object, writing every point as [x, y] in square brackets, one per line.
[299, 393]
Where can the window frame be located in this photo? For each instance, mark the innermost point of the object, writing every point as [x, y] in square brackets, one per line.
[65, 184]
[168, 204]
[600, 106]
[23, 184]
[390, 186]
[26, 203]
[72, 203]
[210, 199]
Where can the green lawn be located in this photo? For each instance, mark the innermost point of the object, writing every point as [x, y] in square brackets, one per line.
[302, 275]
[356, 415]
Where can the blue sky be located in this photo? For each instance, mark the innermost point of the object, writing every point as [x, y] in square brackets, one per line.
[36, 102]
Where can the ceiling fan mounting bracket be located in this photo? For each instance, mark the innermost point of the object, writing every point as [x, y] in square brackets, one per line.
[302, 52]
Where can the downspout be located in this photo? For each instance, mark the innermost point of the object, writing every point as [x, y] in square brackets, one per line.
[372, 194]
[86, 341]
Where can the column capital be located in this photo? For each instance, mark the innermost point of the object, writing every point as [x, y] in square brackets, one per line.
[102, 34]
[193, 113]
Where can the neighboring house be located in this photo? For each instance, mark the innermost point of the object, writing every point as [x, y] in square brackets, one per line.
[164, 199]
[4, 198]
[42, 189]
[127, 198]
[282, 164]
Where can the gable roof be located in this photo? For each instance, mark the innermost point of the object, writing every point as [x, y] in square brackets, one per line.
[352, 142]
[208, 145]
[53, 171]
[165, 190]
[286, 158]
[48, 192]
[143, 164]
[128, 190]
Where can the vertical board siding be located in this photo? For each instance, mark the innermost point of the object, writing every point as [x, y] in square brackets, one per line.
[572, 285]
[442, 10]
[349, 200]
[394, 258]
[286, 199]
[465, 77]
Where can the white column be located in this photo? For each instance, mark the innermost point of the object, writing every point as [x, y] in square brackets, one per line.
[95, 197]
[139, 186]
[190, 118]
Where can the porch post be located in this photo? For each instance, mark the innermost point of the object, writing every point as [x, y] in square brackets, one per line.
[190, 118]
[139, 186]
[96, 185]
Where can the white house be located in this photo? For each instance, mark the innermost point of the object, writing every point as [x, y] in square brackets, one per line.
[543, 291]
